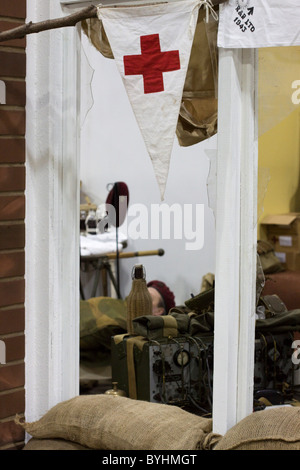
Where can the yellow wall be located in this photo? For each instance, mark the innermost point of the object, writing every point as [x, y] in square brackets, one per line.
[278, 130]
[278, 157]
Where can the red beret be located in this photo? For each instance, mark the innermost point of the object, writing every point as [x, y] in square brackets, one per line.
[165, 292]
[115, 198]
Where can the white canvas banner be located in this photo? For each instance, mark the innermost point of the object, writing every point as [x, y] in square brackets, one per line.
[151, 46]
[259, 23]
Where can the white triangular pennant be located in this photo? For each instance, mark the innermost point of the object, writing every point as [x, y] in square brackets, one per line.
[151, 46]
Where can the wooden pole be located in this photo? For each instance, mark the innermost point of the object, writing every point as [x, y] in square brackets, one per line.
[134, 254]
[65, 21]
[131, 254]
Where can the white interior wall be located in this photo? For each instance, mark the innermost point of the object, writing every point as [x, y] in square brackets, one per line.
[112, 149]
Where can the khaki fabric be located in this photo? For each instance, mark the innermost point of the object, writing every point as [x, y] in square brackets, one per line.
[100, 319]
[208, 282]
[269, 261]
[203, 302]
[93, 28]
[202, 324]
[281, 323]
[278, 324]
[270, 429]
[156, 327]
[110, 422]
[199, 105]
[273, 305]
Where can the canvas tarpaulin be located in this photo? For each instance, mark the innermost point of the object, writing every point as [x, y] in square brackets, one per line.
[198, 114]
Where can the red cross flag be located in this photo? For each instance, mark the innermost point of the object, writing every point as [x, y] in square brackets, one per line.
[151, 46]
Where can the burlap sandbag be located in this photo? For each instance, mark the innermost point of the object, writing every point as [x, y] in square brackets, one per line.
[270, 429]
[110, 422]
[53, 444]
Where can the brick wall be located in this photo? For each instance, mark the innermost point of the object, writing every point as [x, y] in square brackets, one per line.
[12, 228]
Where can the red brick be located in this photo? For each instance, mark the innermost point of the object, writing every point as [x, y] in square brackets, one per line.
[12, 403]
[12, 320]
[12, 178]
[12, 236]
[12, 122]
[12, 207]
[12, 264]
[15, 93]
[12, 292]
[12, 150]
[15, 347]
[12, 376]
[12, 64]
[13, 8]
[4, 26]
[10, 432]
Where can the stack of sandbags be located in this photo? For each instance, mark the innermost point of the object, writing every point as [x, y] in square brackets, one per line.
[275, 428]
[109, 422]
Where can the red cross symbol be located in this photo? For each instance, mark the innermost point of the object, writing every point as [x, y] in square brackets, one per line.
[151, 63]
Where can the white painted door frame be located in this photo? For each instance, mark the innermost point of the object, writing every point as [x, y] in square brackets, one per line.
[52, 215]
[52, 235]
[236, 238]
